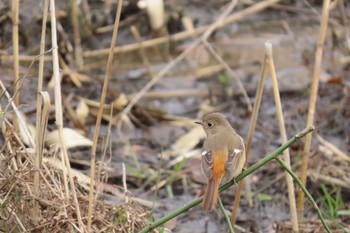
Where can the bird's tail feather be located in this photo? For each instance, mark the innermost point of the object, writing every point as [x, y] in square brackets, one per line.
[211, 194]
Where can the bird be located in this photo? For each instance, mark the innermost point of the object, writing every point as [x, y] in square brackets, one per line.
[222, 158]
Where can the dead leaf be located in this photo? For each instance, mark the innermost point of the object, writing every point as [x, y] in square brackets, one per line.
[71, 138]
[82, 112]
[120, 102]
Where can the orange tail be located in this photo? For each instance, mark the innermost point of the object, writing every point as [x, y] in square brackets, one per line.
[211, 194]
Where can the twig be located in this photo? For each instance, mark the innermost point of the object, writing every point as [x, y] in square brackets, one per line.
[99, 116]
[286, 157]
[21, 121]
[286, 167]
[124, 184]
[78, 51]
[208, 70]
[202, 92]
[247, 172]
[107, 145]
[333, 148]
[58, 112]
[345, 22]
[15, 15]
[158, 179]
[313, 99]
[135, 32]
[230, 72]
[227, 218]
[40, 128]
[320, 178]
[40, 80]
[258, 96]
[87, 12]
[23, 58]
[17, 218]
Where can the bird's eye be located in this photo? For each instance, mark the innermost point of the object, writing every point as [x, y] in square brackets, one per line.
[210, 124]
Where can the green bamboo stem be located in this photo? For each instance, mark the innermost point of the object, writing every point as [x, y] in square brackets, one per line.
[227, 218]
[245, 173]
[307, 194]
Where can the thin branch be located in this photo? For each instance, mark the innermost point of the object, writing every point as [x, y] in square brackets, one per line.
[78, 51]
[136, 34]
[227, 218]
[15, 45]
[304, 190]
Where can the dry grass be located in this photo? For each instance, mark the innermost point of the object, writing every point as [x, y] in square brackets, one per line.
[307, 227]
[56, 213]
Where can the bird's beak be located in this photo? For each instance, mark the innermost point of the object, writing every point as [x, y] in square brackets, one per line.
[199, 122]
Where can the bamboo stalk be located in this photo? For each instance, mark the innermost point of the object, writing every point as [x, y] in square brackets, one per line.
[313, 99]
[286, 156]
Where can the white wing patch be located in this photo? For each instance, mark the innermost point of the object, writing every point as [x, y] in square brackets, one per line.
[236, 151]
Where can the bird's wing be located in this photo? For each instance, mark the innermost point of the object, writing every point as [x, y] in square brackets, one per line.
[207, 164]
[234, 164]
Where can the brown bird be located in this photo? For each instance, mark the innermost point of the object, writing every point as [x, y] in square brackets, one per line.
[223, 155]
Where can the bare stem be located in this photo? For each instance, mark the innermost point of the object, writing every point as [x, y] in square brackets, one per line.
[227, 219]
[256, 108]
[302, 187]
[313, 99]
[15, 15]
[58, 110]
[286, 156]
[40, 130]
[100, 113]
